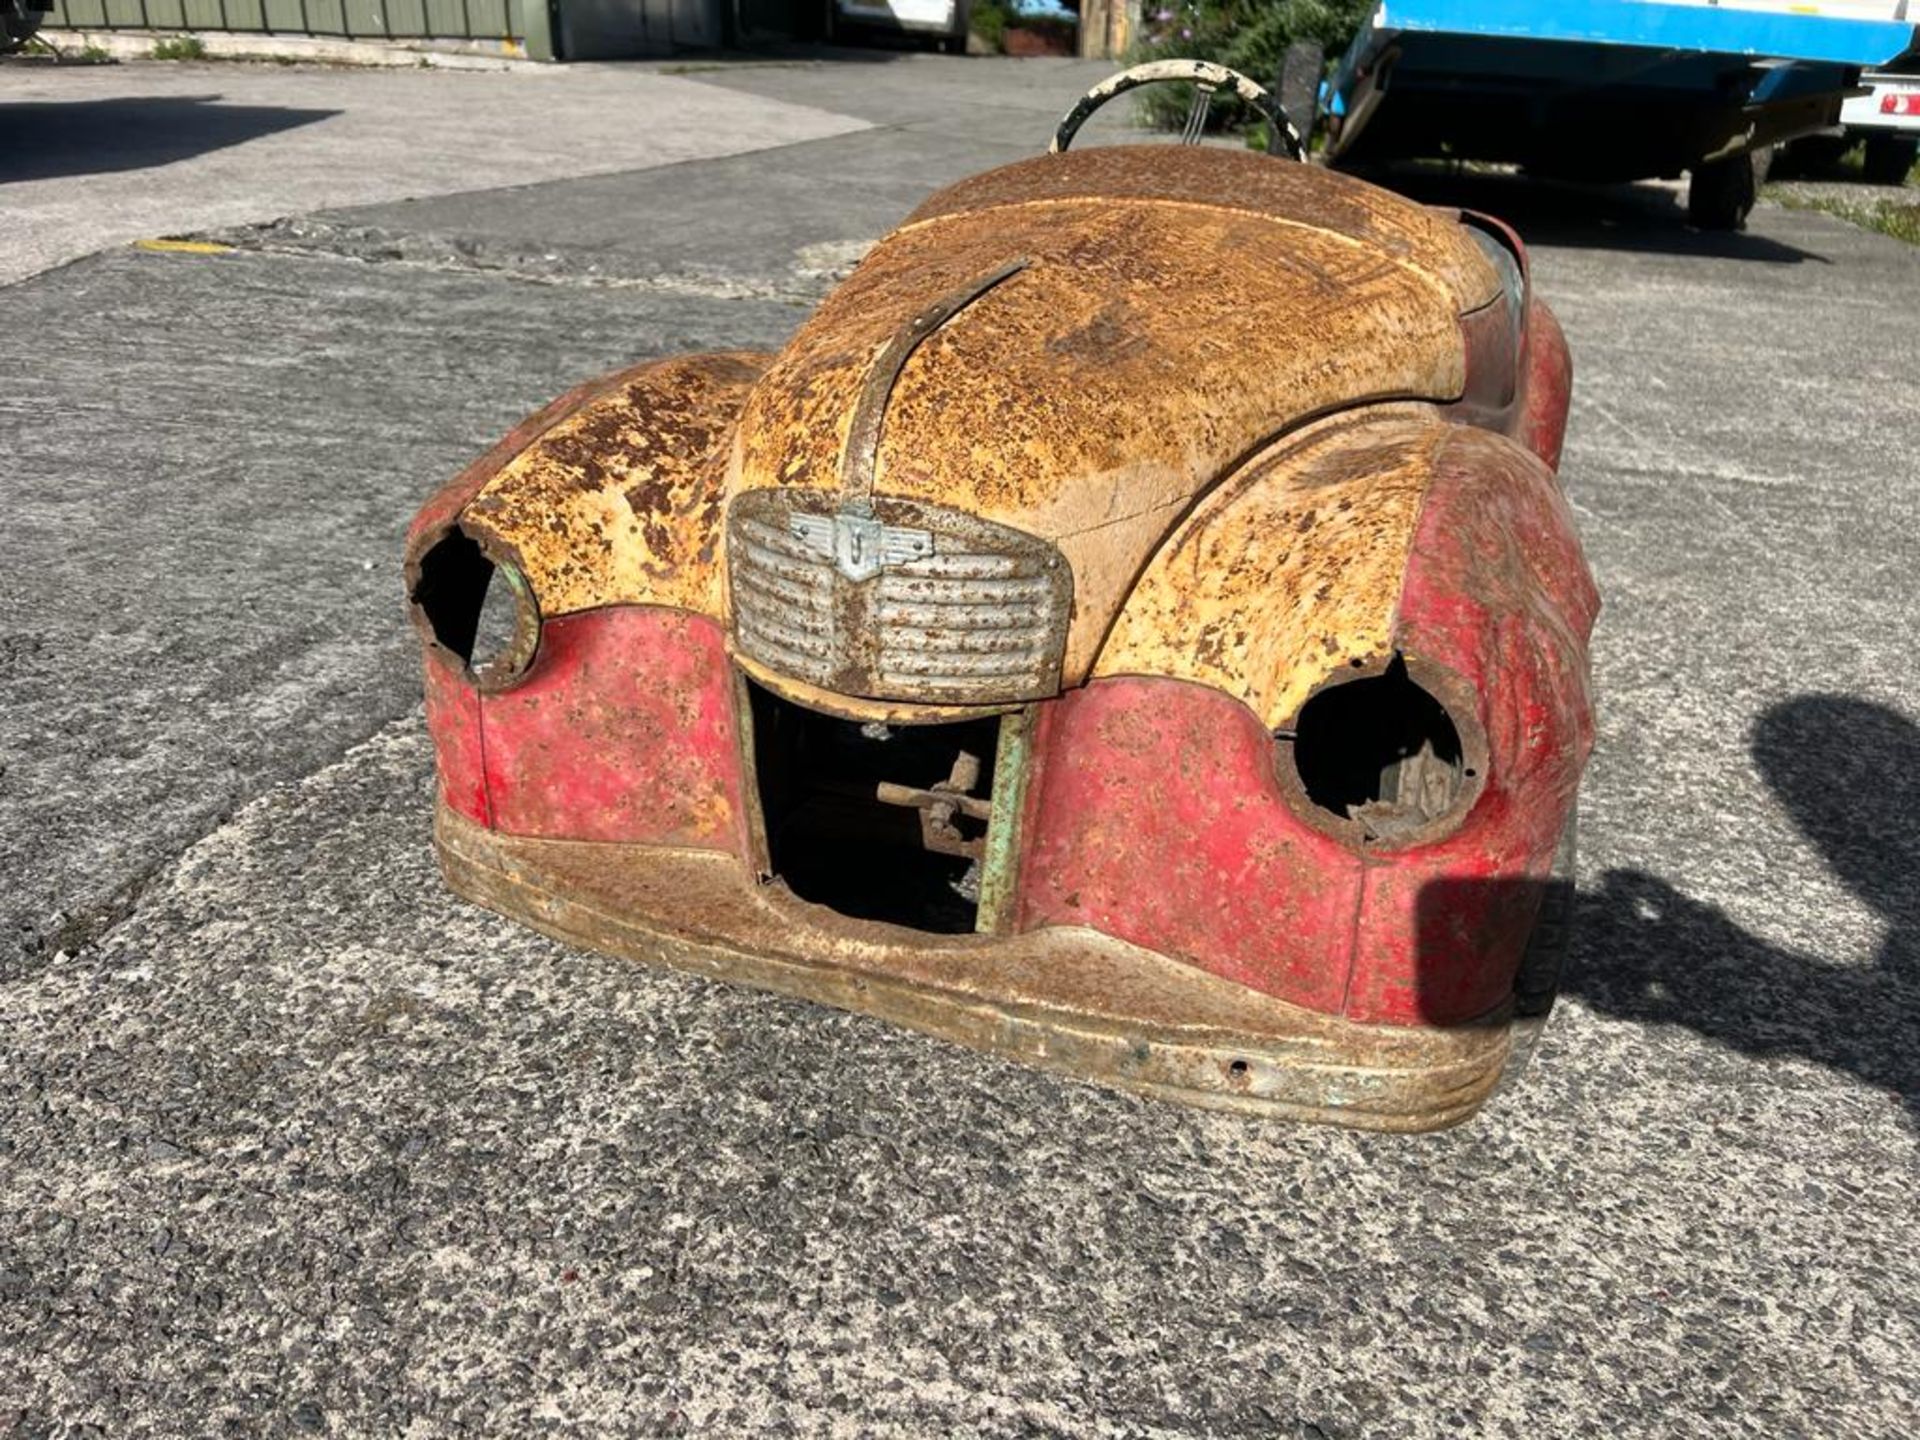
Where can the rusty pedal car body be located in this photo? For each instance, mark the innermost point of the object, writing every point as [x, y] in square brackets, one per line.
[1133, 627]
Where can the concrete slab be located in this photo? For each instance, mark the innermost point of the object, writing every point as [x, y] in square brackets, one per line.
[101, 155]
[815, 204]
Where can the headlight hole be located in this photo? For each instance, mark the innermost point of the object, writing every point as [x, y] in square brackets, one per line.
[1380, 752]
[479, 611]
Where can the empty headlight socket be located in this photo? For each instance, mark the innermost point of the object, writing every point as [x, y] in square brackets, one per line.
[474, 607]
[1386, 754]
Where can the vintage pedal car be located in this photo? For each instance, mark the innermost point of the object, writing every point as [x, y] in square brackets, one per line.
[1132, 627]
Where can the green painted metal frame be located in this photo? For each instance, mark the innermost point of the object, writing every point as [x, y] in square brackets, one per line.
[1000, 864]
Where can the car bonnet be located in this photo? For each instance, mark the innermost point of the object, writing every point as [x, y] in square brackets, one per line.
[1078, 345]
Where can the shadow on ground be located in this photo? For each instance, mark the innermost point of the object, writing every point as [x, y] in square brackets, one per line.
[877, 48]
[97, 137]
[1848, 772]
[1635, 219]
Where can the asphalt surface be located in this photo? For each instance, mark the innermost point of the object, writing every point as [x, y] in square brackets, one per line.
[292, 1142]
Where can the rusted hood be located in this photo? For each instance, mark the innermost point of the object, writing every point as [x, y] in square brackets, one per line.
[1176, 308]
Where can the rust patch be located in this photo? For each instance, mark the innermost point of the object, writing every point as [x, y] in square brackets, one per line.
[620, 502]
[861, 460]
[1306, 195]
[1144, 350]
[1291, 569]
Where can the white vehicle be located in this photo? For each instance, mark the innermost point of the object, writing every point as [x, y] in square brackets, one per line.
[942, 20]
[1887, 118]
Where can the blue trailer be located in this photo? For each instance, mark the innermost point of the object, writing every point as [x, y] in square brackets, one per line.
[1606, 89]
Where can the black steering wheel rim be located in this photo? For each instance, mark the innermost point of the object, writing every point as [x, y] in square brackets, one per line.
[1204, 73]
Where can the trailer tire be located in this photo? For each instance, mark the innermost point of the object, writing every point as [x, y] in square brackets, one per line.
[1887, 158]
[18, 24]
[1720, 193]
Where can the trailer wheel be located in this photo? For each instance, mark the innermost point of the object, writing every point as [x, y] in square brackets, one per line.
[1888, 158]
[1721, 192]
[1544, 965]
[17, 25]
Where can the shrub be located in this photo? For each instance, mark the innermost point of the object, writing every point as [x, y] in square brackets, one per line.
[1250, 36]
[180, 47]
[989, 20]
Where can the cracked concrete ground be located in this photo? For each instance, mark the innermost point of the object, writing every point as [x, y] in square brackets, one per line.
[292, 1142]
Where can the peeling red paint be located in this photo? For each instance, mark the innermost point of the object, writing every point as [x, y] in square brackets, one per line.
[1156, 817]
[1547, 386]
[624, 731]
[453, 719]
[1497, 593]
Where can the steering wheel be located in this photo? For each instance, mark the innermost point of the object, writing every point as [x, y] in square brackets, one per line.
[1208, 79]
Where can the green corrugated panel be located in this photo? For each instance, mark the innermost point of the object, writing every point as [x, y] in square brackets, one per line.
[457, 18]
[327, 17]
[366, 19]
[408, 17]
[532, 24]
[361, 19]
[80, 14]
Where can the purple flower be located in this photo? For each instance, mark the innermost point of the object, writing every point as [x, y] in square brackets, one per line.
[1160, 17]
[1186, 34]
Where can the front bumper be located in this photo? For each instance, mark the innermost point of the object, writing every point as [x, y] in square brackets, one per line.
[1063, 998]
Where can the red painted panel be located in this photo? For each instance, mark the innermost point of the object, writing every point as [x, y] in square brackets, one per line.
[1496, 591]
[624, 730]
[1155, 816]
[1548, 386]
[453, 720]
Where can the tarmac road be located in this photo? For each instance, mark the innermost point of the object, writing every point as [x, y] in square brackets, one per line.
[292, 1142]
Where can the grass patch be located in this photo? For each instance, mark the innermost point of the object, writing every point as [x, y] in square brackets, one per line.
[1898, 218]
[988, 21]
[180, 47]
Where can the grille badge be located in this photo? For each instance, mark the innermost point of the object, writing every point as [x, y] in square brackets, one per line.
[859, 545]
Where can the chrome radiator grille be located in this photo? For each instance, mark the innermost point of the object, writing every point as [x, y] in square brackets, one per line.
[911, 602]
